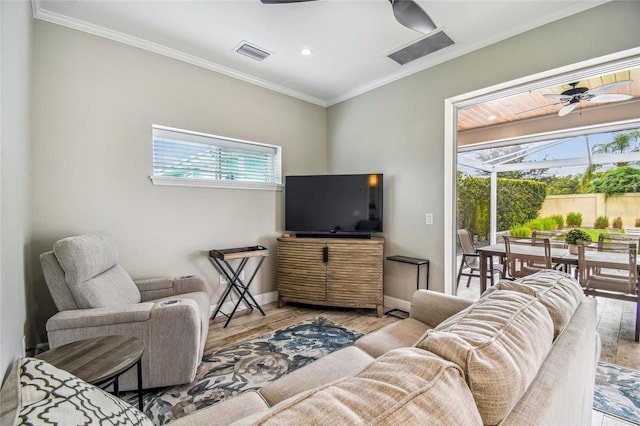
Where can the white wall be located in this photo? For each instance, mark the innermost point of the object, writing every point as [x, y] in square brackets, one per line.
[95, 102]
[15, 167]
[398, 129]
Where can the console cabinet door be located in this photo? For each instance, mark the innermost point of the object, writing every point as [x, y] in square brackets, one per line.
[302, 272]
[355, 273]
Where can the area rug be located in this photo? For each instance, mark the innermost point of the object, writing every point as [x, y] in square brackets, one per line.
[247, 366]
[617, 392]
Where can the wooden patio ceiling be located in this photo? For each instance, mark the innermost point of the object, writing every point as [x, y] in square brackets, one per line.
[534, 105]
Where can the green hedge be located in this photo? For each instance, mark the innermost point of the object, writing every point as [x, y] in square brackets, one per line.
[519, 201]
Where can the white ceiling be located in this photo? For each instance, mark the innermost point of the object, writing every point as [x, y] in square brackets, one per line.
[350, 38]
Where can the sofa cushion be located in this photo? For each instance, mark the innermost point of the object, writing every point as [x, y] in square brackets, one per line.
[225, 412]
[344, 362]
[90, 265]
[404, 386]
[48, 395]
[400, 334]
[499, 342]
[559, 292]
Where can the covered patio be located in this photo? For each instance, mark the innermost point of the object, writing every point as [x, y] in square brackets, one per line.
[564, 152]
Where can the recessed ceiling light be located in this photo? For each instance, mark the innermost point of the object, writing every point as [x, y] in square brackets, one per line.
[306, 51]
[491, 117]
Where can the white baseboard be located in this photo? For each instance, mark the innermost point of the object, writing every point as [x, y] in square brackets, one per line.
[262, 299]
[265, 298]
[393, 303]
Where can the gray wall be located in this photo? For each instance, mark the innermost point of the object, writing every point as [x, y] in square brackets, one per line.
[399, 129]
[15, 182]
[95, 103]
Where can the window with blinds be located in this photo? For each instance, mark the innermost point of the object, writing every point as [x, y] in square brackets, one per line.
[185, 158]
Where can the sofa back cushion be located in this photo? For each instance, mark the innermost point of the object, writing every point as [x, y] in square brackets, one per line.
[500, 343]
[90, 265]
[46, 395]
[404, 386]
[559, 292]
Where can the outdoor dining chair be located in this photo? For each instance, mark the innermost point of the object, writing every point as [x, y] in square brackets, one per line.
[526, 256]
[618, 238]
[470, 260]
[611, 272]
[550, 235]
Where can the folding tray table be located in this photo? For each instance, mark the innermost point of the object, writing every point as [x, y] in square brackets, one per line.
[220, 258]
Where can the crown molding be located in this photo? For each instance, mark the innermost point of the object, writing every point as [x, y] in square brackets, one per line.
[76, 24]
[442, 56]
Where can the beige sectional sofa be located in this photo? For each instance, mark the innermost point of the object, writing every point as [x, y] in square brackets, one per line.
[524, 353]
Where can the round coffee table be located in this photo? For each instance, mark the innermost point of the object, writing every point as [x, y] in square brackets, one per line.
[100, 360]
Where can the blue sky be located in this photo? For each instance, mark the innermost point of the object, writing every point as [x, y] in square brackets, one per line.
[565, 148]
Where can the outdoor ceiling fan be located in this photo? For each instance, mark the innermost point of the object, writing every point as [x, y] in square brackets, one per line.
[572, 97]
[406, 12]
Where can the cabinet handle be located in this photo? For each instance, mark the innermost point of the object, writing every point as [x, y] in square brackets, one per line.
[325, 254]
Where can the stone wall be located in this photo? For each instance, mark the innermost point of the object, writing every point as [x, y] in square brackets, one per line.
[626, 206]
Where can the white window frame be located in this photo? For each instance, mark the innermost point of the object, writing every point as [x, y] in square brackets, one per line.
[188, 136]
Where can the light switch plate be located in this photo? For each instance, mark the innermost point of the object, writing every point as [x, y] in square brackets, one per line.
[428, 218]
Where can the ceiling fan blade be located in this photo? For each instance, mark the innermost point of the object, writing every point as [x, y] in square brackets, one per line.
[610, 97]
[567, 109]
[411, 15]
[565, 98]
[282, 1]
[540, 107]
[609, 87]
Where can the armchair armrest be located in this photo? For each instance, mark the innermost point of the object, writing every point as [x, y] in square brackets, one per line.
[99, 317]
[432, 308]
[157, 288]
[170, 330]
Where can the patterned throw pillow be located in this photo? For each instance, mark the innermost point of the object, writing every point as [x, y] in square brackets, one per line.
[50, 396]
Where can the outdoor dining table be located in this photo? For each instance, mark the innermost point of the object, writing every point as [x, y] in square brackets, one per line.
[558, 255]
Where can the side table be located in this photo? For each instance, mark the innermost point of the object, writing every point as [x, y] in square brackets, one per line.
[412, 261]
[220, 259]
[100, 360]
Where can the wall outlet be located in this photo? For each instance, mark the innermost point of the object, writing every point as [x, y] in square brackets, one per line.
[224, 281]
[428, 218]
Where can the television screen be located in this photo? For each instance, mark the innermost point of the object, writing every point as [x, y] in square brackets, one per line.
[333, 204]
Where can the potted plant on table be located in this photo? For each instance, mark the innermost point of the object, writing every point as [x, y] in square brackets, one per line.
[572, 236]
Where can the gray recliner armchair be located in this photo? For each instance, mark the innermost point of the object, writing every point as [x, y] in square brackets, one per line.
[96, 297]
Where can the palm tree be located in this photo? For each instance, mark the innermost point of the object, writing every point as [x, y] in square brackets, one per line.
[620, 144]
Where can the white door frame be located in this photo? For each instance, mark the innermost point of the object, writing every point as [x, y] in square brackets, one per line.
[574, 72]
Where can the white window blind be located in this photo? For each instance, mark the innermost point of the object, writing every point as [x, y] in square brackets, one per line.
[185, 158]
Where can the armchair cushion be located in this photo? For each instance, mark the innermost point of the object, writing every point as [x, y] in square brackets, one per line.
[83, 257]
[90, 265]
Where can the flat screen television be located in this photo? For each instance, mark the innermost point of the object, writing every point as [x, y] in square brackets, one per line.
[333, 205]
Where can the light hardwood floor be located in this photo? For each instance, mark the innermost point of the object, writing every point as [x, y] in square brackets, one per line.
[615, 326]
[249, 324]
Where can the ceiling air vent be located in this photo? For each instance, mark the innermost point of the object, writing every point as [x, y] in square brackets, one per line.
[252, 51]
[421, 48]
